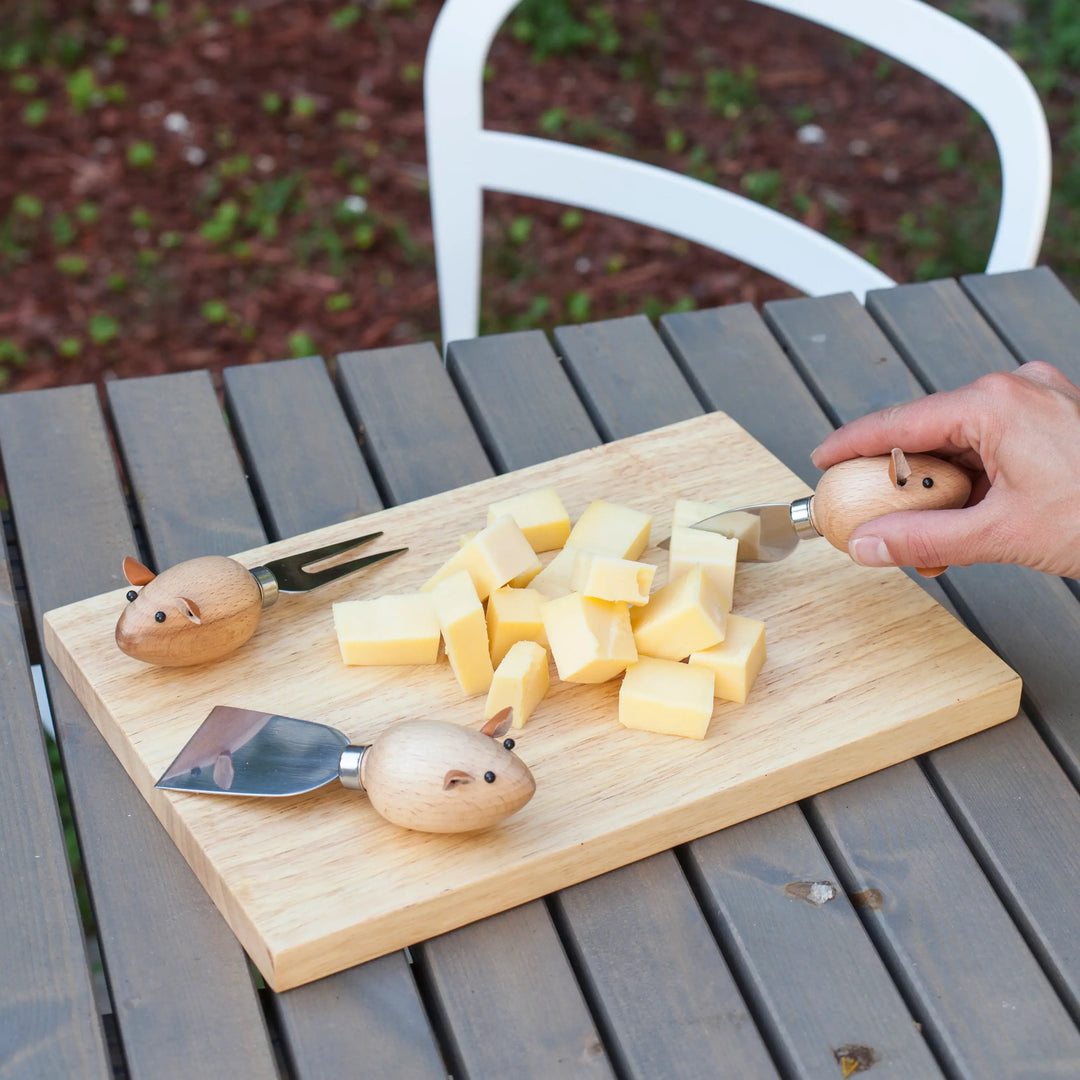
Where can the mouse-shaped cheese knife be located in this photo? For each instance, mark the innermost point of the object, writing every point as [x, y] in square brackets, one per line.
[205, 608]
[847, 495]
[427, 775]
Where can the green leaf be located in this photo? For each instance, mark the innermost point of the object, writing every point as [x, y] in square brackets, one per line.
[71, 265]
[578, 306]
[520, 229]
[102, 328]
[339, 302]
[69, 347]
[302, 344]
[35, 113]
[141, 155]
[28, 206]
[215, 311]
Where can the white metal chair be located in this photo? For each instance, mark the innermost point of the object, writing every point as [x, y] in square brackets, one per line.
[464, 158]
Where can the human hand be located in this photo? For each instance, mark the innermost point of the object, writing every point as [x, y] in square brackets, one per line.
[1019, 435]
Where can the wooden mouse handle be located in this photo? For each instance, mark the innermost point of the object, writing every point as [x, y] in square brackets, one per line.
[861, 489]
[435, 776]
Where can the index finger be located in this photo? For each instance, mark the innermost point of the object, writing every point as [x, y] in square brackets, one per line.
[931, 424]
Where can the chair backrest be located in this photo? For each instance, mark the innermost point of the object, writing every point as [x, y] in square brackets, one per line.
[464, 159]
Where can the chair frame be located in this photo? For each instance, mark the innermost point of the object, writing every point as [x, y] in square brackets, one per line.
[465, 159]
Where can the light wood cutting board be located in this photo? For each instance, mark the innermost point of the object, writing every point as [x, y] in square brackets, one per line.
[863, 670]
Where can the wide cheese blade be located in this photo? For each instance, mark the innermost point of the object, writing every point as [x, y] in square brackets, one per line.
[243, 752]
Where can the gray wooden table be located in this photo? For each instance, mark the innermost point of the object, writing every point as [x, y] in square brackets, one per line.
[943, 938]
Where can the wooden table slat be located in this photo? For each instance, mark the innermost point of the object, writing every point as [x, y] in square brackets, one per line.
[49, 1023]
[305, 461]
[1033, 312]
[414, 429]
[537, 404]
[655, 976]
[180, 984]
[621, 370]
[784, 948]
[315, 479]
[165, 427]
[935, 321]
[481, 981]
[982, 999]
[801, 952]
[862, 389]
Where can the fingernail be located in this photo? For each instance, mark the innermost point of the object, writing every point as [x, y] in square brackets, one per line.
[814, 454]
[870, 551]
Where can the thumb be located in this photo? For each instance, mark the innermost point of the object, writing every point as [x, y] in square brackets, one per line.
[921, 538]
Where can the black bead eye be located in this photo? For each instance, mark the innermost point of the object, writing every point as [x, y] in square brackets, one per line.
[159, 616]
[131, 594]
[928, 481]
[489, 777]
[508, 743]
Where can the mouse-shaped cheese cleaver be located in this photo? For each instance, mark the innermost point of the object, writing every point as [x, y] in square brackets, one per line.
[427, 775]
[205, 608]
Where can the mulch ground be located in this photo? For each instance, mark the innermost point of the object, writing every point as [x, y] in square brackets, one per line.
[224, 189]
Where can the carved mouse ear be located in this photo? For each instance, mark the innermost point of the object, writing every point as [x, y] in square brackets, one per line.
[136, 573]
[189, 609]
[454, 777]
[899, 469]
[500, 723]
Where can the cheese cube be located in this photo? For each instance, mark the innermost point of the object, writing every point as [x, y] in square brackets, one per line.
[746, 528]
[513, 615]
[554, 580]
[590, 640]
[607, 578]
[391, 629]
[461, 618]
[687, 614]
[493, 557]
[736, 661]
[666, 697]
[540, 515]
[521, 681]
[611, 529]
[715, 554]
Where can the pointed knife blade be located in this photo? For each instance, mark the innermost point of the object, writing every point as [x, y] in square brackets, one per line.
[244, 752]
[778, 528]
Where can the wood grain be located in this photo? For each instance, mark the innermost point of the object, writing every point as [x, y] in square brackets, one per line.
[424, 884]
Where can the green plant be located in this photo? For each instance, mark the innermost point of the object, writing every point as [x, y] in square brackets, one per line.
[63, 230]
[69, 347]
[215, 311]
[102, 328]
[83, 90]
[345, 17]
[141, 155]
[520, 229]
[71, 265]
[339, 302]
[764, 185]
[302, 344]
[552, 28]
[578, 306]
[731, 93]
[35, 113]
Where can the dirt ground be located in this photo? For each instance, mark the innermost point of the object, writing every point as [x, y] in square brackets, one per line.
[200, 185]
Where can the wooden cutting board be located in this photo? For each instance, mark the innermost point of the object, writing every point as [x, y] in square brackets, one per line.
[863, 670]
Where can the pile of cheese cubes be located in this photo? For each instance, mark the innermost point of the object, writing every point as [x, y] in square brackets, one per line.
[498, 610]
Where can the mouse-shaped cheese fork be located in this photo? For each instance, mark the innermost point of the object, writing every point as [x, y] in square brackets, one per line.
[205, 608]
[847, 495]
[427, 775]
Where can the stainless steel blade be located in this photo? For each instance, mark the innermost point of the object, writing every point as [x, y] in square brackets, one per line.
[782, 526]
[244, 752]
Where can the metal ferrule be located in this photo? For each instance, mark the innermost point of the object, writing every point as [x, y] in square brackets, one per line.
[349, 767]
[268, 586]
[802, 520]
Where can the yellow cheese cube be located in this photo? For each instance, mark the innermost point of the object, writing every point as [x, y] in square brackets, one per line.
[607, 578]
[461, 618]
[492, 557]
[554, 580]
[611, 529]
[521, 681]
[687, 614]
[736, 661]
[391, 629]
[513, 615]
[590, 640]
[540, 515]
[666, 697]
[746, 528]
[715, 554]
